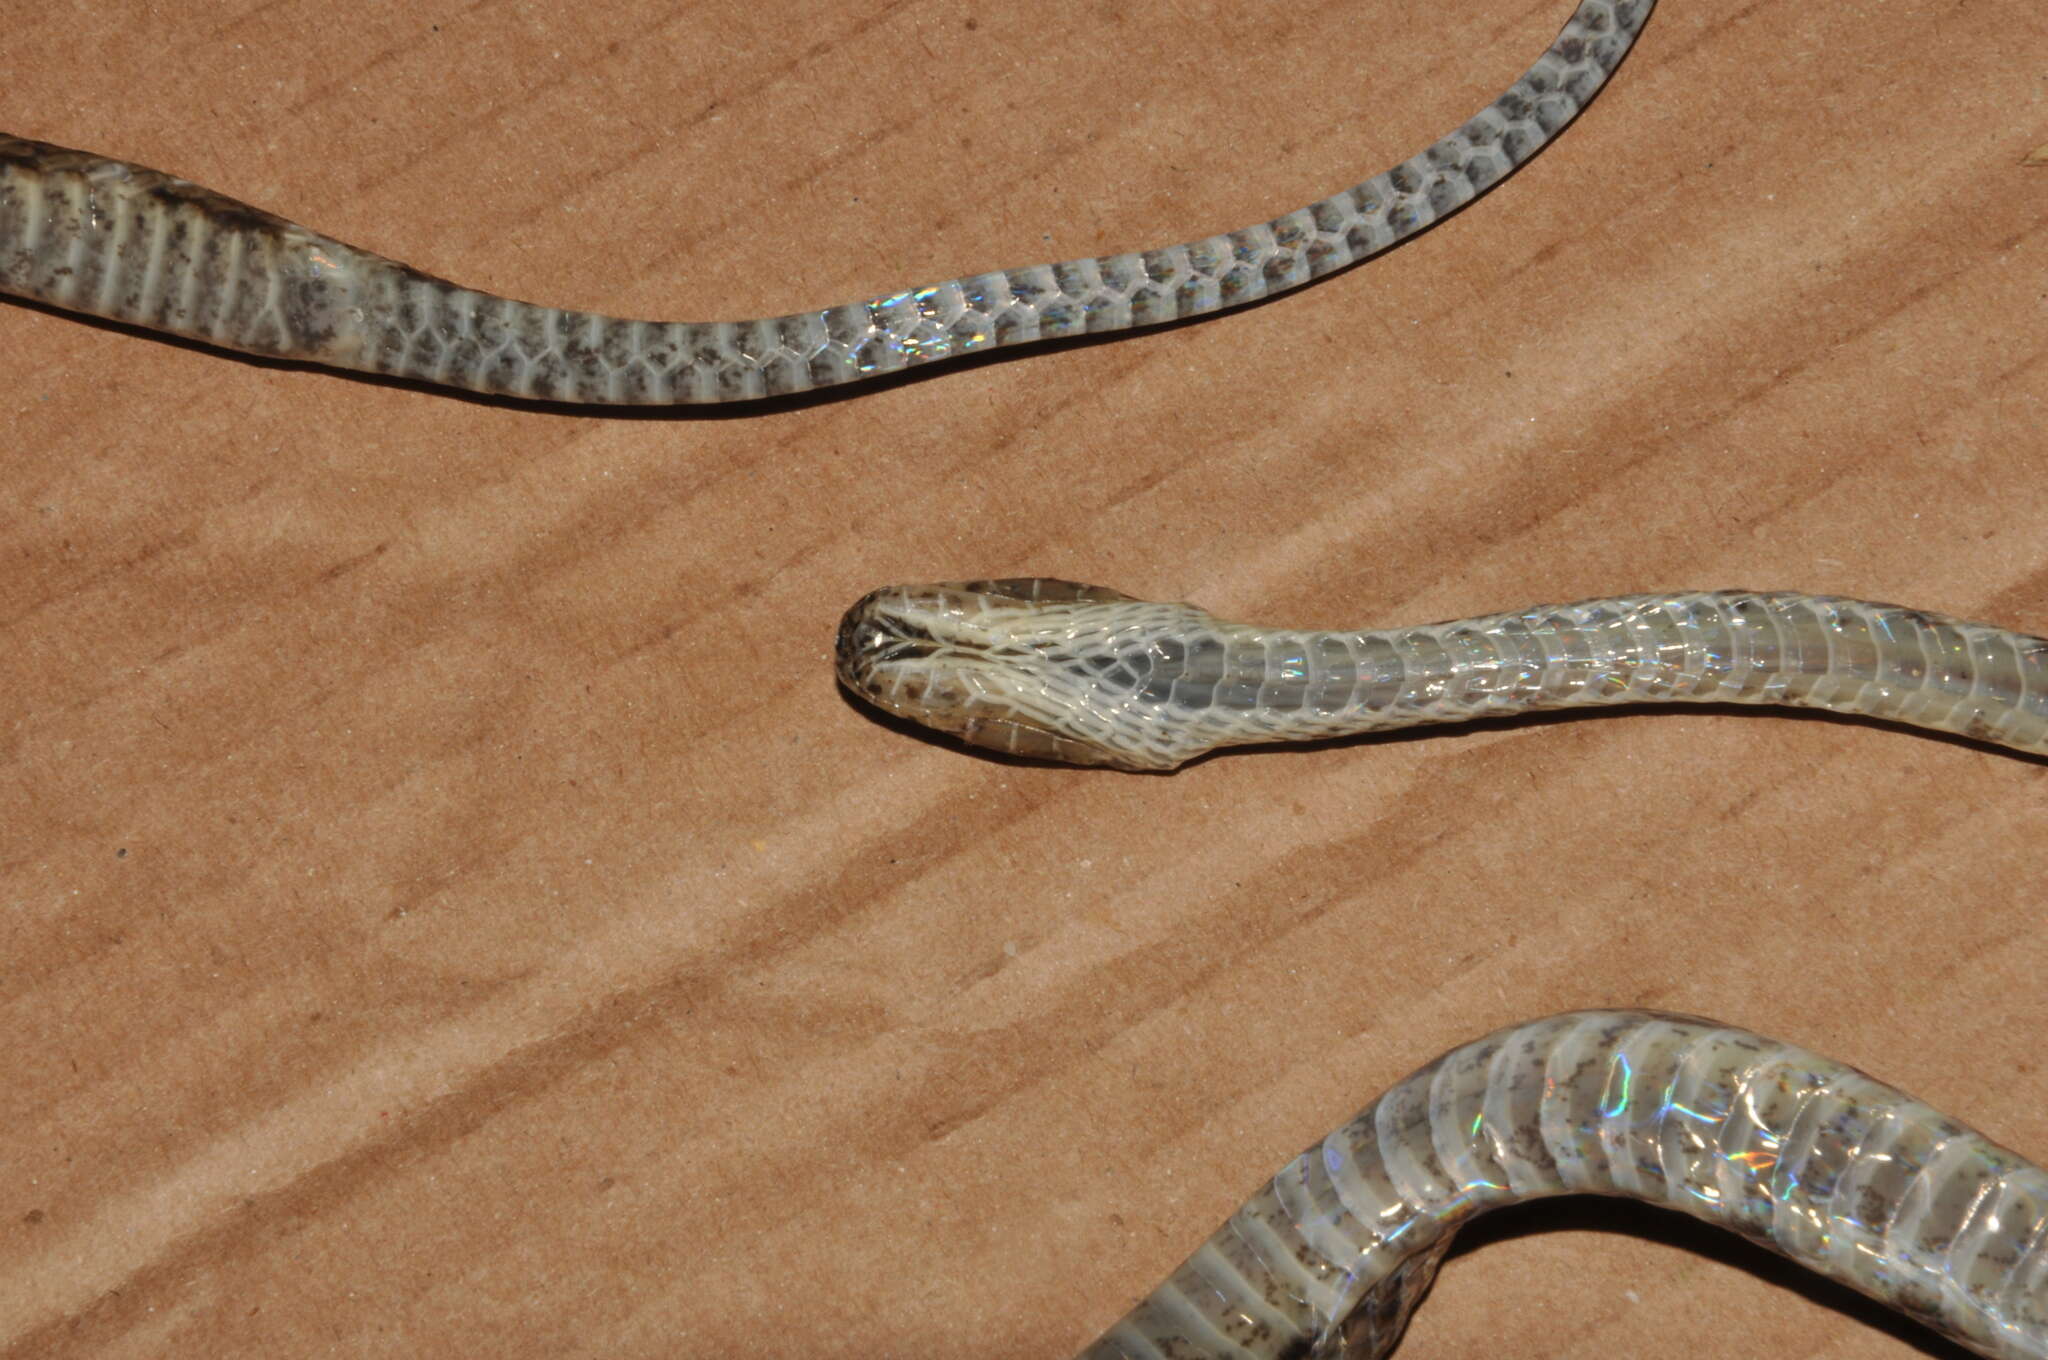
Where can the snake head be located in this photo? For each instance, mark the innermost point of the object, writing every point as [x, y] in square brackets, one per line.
[1034, 667]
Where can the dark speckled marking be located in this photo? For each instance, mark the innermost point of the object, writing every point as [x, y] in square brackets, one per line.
[256, 282]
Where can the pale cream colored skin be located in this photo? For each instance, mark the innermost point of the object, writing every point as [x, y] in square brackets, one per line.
[1846, 1176]
[1057, 671]
[115, 240]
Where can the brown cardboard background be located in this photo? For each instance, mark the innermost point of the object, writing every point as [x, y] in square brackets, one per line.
[449, 911]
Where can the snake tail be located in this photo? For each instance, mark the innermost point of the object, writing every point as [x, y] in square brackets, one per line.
[114, 240]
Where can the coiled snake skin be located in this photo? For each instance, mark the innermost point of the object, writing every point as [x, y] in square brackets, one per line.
[1846, 1176]
[1058, 671]
[114, 240]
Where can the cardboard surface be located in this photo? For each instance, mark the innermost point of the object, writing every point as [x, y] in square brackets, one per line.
[450, 911]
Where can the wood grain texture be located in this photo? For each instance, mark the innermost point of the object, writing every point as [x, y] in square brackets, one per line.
[450, 910]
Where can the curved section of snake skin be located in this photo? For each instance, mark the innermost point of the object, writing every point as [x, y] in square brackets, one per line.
[1842, 1174]
[114, 240]
[1053, 670]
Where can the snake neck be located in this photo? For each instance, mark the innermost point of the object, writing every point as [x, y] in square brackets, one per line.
[1235, 685]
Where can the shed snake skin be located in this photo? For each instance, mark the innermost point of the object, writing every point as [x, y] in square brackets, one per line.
[1838, 1172]
[113, 240]
[1053, 670]
[1815, 1160]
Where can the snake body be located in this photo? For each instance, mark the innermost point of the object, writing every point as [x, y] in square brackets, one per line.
[114, 240]
[1844, 1175]
[1053, 670]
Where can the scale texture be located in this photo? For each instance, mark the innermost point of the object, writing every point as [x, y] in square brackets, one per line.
[1844, 1175]
[1059, 671]
[114, 240]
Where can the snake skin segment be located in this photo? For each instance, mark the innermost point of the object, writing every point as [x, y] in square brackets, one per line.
[1057, 671]
[1844, 1175]
[114, 240]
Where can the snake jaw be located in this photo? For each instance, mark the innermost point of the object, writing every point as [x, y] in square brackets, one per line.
[923, 653]
[1027, 667]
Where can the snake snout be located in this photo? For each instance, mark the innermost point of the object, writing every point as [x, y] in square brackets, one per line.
[855, 637]
[870, 636]
[862, 642]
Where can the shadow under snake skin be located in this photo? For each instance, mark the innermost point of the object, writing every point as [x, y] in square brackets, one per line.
[1815, 1160]
[1053, 670]
[113, 240]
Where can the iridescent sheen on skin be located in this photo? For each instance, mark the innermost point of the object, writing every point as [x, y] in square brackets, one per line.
[1813, 1159]
[115, 240]
[1058, 671]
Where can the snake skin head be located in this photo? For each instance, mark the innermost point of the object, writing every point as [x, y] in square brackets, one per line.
[1035, 667]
